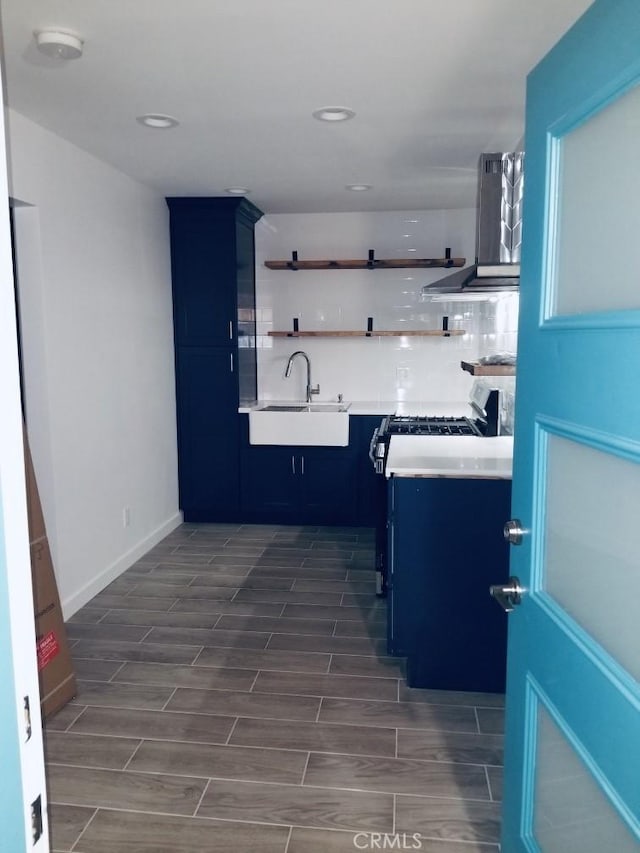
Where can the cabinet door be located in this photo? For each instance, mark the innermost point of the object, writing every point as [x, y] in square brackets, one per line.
[271, 482]
[329, 488]
[203, 268]
[208, 445]
[246, 320]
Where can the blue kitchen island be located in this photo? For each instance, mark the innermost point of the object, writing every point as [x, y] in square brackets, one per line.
[448, 501]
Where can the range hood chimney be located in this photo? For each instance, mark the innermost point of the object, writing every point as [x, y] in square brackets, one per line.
[498, 230]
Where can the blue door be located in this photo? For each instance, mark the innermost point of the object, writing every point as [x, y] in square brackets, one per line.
[573, 698]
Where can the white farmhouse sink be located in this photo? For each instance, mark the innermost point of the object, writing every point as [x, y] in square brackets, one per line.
[316, 424]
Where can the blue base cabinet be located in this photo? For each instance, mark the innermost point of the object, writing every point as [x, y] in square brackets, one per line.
[270, 484]
[329, 485]
[445, 549]
[372, 499]
[213, 279]
[298, 485]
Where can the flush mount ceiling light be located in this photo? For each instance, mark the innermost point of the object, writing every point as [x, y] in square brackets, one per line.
[59, 44]
[358, 188]
[333, 114]
[158, 121]
[237, 190]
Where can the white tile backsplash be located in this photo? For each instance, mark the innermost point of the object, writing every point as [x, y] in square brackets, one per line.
[400, 368]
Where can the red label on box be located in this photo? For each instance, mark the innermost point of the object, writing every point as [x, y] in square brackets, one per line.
[46, 648]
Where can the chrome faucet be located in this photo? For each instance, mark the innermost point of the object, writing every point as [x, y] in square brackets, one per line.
[287, 373]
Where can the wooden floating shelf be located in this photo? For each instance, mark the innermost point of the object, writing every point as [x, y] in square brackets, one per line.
[357, 264]
[395, 333]
[488, 369]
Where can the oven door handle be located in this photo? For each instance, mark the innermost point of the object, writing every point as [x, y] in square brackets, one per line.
[372, 446]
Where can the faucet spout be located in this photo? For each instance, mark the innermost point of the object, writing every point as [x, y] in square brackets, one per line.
[309, 390]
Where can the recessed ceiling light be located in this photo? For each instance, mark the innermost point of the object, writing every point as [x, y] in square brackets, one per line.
[158, 121]
[358, 188]
[237, 190]
[333, 114]
[59, 44]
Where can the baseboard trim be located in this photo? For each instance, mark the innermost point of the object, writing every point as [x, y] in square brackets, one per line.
[74, 602]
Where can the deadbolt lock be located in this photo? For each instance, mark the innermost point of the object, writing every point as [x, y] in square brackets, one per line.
[514, 531]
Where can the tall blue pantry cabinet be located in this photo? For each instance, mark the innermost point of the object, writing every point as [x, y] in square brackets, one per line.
[213, 275]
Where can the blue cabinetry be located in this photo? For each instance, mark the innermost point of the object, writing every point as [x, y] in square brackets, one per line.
[270, 484]
[212, 262]
[329, 484]
[299, 485]
[204, 272]
[207, 433]
[445, 549]
[222, 477]
[371, 486]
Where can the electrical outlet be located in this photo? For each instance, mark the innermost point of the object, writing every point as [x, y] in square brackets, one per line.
[126, 516]
[402, 376]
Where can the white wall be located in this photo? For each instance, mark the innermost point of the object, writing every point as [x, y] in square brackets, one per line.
[95, 297]
[373, 369]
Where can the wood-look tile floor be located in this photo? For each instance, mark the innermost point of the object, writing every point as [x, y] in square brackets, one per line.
[234, 694]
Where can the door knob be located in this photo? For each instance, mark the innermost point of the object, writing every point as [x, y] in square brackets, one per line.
[514, 531]
[508, 595]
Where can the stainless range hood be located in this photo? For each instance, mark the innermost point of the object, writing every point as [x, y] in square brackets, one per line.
[498, 230]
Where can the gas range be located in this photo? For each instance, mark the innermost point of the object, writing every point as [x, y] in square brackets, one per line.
[431, 425]
[418, 425]
[487, 404]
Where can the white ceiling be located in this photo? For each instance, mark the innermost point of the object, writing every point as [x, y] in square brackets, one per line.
[433, 82]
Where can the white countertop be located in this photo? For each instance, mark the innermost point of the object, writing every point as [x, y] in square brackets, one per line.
[382, 408]
[450, 456]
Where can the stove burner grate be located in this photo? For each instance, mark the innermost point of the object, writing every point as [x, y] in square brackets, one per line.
[426, 425]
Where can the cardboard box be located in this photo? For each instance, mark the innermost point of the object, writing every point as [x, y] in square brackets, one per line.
[55, 670]
[37, 529]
